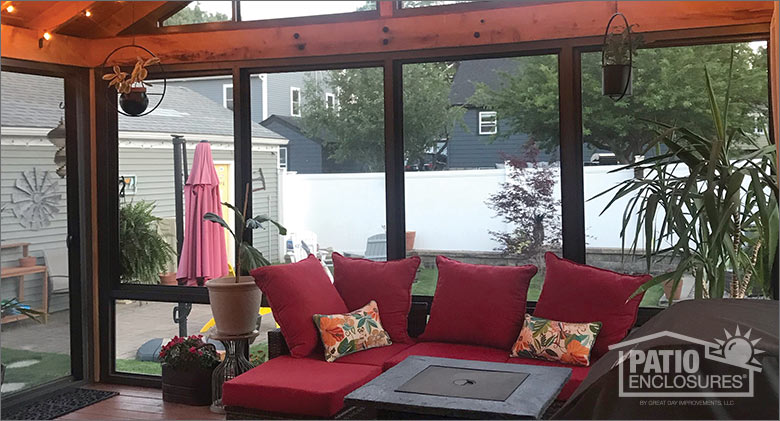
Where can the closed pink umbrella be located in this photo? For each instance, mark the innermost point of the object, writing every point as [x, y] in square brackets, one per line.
[203, 254]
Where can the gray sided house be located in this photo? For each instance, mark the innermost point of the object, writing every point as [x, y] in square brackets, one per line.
[276, 104]
[475, 146]
[30, 110]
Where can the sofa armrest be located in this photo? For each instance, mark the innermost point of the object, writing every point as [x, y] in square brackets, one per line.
[277, 346]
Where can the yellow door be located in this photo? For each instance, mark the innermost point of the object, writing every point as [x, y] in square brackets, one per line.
[225, 193]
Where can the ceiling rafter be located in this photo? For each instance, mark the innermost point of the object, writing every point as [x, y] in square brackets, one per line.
[59, 14]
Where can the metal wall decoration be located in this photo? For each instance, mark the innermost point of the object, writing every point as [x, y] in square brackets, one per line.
[57, 136]
[35, 199]
[133, 97]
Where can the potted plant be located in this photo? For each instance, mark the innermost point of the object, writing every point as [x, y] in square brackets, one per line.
[11, 307]
[616, 61]
[143, 252]
[132, 90]
[710, 203]
[187, 366]
[235, 300]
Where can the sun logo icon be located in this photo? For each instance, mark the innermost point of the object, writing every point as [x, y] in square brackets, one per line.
[738, 349]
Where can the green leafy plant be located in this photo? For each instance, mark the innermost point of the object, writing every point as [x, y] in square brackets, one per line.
[618, 49]
[189, 352]
[12, 306]
[144, 253]
[709, 201]
[247, 257]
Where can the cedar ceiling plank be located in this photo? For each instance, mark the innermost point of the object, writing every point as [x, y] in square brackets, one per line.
[57, 15]
[113, 20]
[149, 23]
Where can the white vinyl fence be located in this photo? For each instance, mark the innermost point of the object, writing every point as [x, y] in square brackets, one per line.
[446, 209]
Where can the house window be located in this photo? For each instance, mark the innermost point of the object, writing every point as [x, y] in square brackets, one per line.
[330, 101]
[227, 96]
[283, 157]
[488, 122]
[295, 102]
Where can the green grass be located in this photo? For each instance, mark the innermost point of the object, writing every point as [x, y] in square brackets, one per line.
[426, 285]
[154, 369]
[51, 366]
[151, 368]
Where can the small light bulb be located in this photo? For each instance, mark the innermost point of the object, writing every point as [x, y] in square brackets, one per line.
[10, 8]
[46, 36]
[87, 13]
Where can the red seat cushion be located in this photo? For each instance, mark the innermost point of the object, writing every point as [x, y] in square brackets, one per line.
[360, 281]
[298, 386]
[578, 293]
[296, 292]
[578, 374]
[478, 304]
[374, 356]
[448, 350]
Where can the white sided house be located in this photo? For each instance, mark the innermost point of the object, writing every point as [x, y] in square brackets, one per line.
[30, 110]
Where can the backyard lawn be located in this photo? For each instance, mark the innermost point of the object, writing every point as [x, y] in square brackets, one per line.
[153, 368]
[426, 285]
[33, 368]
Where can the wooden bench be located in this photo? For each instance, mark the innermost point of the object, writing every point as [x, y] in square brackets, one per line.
[20, 272]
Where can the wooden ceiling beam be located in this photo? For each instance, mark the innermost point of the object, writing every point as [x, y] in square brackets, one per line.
[22, 44]
[472, 28]
[475, 28]
[61, 13]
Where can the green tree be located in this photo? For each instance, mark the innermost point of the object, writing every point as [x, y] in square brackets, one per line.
[667, 87]
[353, 130]
[195, 14]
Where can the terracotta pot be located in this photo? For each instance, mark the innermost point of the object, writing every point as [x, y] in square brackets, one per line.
[234, 305]
[168, 278]
[27, 261]
[410, 235]
[134, 102]
[668, 290]
[191, 386]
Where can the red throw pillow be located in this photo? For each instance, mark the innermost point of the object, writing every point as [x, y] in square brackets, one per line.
[478, 304]
[388, 283]
[296, 292]
[577, 293]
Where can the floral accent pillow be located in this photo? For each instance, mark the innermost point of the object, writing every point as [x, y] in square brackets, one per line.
[344, 334]
[543, 339]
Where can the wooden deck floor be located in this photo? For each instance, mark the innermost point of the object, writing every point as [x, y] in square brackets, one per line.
[138, 403]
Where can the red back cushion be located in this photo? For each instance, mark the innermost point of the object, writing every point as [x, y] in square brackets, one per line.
[388, 283]
[478, 304]
[578, 293]
[296, 292]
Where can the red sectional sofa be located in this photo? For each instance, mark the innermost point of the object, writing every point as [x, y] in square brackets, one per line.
[474, 306]
[288, 387]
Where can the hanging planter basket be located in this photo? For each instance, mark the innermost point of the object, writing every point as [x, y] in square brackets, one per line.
[135, 103]
[617, 61]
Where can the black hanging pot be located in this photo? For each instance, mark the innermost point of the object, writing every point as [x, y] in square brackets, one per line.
[616, 74]
[616, 80]
[134, 102]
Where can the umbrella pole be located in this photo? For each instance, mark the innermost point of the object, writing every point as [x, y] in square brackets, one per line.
[182, 310]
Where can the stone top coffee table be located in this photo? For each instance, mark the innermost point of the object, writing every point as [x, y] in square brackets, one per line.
[444, 387]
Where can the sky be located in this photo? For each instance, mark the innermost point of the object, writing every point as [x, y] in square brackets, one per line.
[252, 10]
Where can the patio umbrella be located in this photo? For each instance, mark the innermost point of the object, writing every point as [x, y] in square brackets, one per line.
[203, 253]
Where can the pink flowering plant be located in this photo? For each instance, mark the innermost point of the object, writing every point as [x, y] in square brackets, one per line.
[189, 352]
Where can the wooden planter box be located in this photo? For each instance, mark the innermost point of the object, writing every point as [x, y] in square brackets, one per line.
[188, 386]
